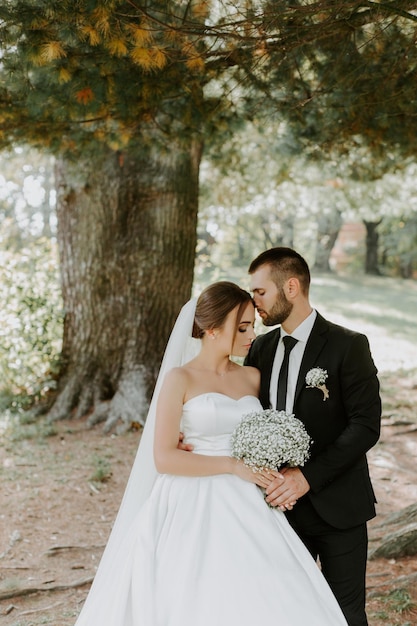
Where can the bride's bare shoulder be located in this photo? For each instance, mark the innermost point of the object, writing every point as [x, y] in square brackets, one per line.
[253, 376]
[177, 375]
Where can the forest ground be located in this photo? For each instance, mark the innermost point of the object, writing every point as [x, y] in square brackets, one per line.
[61, 486]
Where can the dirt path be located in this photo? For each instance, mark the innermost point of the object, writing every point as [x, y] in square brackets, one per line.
[56, 513]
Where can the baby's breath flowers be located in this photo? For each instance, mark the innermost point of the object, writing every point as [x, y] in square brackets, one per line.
[270, 439]
[317, 377]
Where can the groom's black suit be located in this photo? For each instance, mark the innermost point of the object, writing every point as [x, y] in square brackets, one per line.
[343, 427]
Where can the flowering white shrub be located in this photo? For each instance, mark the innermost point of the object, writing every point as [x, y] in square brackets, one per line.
[31, 322]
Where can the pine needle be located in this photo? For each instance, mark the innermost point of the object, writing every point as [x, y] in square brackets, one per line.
[51, 51]
[117, 47]
[91, 34]
[64, 75]
[141, 35]
[142, 56]
[159, 58]
[195, 64]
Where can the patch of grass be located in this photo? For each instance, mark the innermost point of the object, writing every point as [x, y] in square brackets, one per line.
[102, 470]
[399, 600]
[398, 606]
[21, 427]
[26, 418]
[380, 615]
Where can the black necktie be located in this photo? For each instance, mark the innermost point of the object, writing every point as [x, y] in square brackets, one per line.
[289, 343]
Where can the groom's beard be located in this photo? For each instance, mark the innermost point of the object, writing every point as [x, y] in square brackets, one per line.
[279, 312]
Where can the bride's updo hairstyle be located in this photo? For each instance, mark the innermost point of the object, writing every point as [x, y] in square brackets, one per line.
[214, 305]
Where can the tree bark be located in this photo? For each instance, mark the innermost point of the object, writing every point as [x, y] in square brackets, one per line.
[372, 242]
[328, 228]
[127, 226]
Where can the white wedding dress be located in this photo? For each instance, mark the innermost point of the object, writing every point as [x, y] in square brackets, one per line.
[209, 551]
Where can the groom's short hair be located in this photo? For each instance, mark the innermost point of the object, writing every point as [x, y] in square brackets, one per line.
[284, 263]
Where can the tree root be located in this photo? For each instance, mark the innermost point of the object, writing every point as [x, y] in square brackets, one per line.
[57, 549]
[396, 583]
[128, 405]
[27, 591]
[42, 609]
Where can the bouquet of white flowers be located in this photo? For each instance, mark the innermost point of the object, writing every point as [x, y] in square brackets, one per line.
[271, 439]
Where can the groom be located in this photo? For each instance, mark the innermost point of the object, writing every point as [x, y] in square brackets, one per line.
[341, 410]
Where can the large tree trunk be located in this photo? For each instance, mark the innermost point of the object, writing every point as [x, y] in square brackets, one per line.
[328, 228]
[127, 236]
[372, 242]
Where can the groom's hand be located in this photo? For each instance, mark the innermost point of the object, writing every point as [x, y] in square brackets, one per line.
[184, 446]
[287, 488]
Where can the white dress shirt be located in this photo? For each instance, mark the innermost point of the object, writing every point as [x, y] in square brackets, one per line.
[301, 333]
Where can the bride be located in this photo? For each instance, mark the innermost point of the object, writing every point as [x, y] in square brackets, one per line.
[194, 543]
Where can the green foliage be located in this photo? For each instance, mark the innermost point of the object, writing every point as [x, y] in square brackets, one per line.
[259, 189]
[356, 81]
[80, 73]
[30, 323]
[76, 73]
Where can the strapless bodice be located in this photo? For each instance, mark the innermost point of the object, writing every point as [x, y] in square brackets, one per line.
[209, 419]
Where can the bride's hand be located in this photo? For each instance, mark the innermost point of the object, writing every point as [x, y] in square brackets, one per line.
[261, 478]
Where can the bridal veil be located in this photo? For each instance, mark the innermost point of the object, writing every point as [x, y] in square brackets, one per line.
[180, 349]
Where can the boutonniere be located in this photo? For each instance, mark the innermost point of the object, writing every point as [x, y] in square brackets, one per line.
[317, 378]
